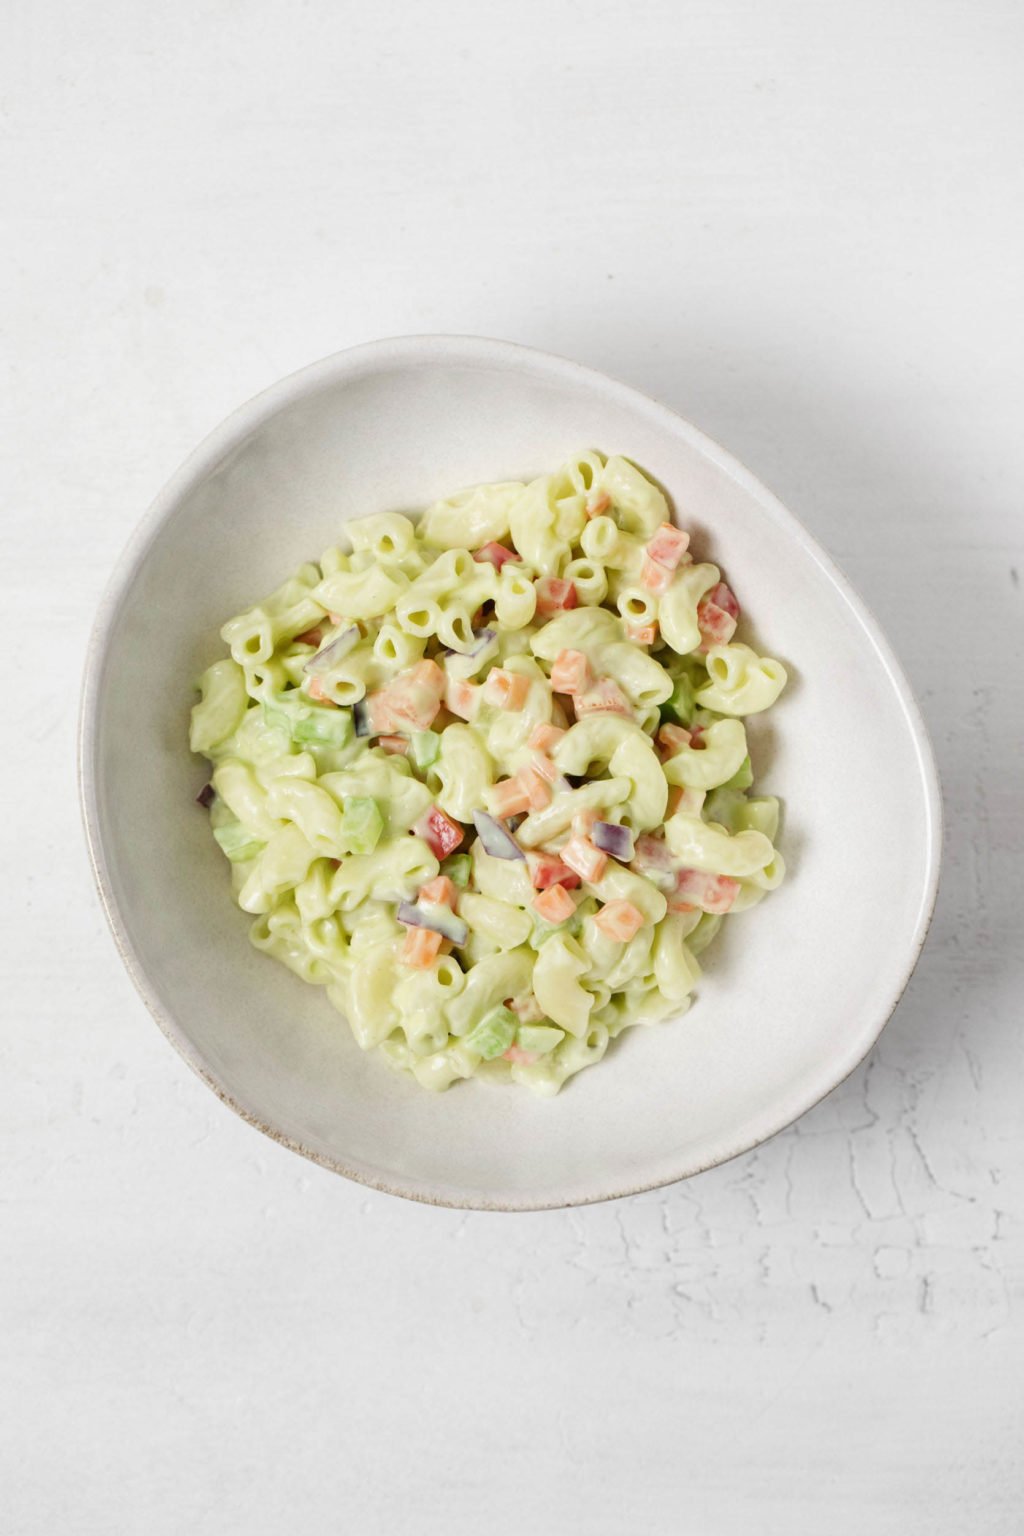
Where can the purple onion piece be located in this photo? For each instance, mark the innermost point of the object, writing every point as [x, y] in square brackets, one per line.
[361, 718]
[496, 839]
[618, 841]
[440, 918]
[206, 796]
[331, 654]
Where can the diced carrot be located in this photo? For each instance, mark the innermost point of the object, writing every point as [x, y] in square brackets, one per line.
[506, 690]
[716, 626]
[538, 790]
[619, 920]
[605, 697]
[311, 636]
[543, 737]
[316, 691]
[712, 893]
[671, 737]
[509, 797]
[570, 673]
[495, 554]
[546, 869]
[555, 905]
[441, 891]
[583, 823]
[676, 904]
[544, 768]
[642, 634]
[396, 745]
[379, 713]
[598, 504]
[655, 577]
[668, 546]
[580, 854]
[461, 698]
[421, 948]
[554, 594]
[697, 738]
[426, 674]
[440, 832]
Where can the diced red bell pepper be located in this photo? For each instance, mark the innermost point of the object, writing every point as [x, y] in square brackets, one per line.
[668, 546]
[546, 869]
[440, 832]
[495, 554]
[712, 893]
[554, 595]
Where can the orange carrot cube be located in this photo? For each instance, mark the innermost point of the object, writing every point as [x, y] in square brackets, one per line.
[396, 745]
[642, 634]
[506, 690]
[543, 737]
[461, 698]
[421, 948]
[598, 505]
[619, 920]
[655, 577]
[571, 673]
[554, 905]
[509, 797]
[605, 697]
[441, 891]
[580, 854]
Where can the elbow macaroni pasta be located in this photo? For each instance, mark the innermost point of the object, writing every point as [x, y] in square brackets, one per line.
[483, 775]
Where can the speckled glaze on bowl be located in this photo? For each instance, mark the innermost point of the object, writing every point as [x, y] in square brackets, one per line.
[794, 993]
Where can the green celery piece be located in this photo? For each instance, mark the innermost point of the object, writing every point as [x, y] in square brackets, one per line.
[678, 707]
[278, 718]
[538, 1039]
[493, 1034]
[361, 823]
[424, 749]
[237, 843]
[323, 728]
[458, 867]
[742, 778]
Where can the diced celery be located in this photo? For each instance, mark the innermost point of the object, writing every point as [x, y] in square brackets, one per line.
[678, 707]
[458, 867]
[361, 823]
[323, 727]
[725, 806]
[236, 842]
[742, 778]
[538, 1039]
[493, 1034]
[278, 718]
[423, 749]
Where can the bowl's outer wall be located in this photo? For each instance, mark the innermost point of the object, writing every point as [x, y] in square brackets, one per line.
[794, 992]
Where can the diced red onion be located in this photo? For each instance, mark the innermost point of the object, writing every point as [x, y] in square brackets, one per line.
[496, 839]
[440, 918]
[206, 796]
[618, 841]
[361, 718]
[331, 654]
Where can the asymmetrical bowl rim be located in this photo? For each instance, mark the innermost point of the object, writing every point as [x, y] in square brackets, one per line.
[424, 351]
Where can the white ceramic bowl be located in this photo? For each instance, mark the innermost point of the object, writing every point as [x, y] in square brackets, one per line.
[794, 993]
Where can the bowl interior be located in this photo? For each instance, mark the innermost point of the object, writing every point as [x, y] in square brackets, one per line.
[793, 993]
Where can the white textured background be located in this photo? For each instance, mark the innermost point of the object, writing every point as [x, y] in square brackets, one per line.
[799, 222]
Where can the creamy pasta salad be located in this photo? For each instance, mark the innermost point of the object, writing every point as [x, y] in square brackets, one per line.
[484, 775]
